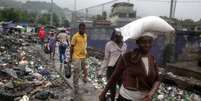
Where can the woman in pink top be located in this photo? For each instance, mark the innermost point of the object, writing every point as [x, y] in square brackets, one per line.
[113, 50]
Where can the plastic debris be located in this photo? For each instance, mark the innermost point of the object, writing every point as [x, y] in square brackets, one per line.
[160, 97]
[165, 92]
[25, 72]
[172, 93]
[10, 72]
[44, 95]
[24, 98]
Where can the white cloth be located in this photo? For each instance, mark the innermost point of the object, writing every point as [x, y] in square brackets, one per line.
[62, 37]
[112, 53]
[146, 64]
[135, 29]
[150, 34]
[131, 95]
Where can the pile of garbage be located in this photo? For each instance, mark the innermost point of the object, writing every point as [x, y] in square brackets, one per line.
[24, 71]
[27, 75]
[172, 93]
[166, 92]
[93, 68]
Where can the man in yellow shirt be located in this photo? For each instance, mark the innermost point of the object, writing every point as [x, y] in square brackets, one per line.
[78, 56]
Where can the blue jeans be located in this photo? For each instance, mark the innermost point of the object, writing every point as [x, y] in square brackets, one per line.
[62, 51]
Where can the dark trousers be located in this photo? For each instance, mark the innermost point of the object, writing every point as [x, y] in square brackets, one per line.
[41, 42]
[62, 51]
[109, 73]
[120, 98]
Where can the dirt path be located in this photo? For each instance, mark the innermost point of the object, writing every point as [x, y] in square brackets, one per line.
[87, 91]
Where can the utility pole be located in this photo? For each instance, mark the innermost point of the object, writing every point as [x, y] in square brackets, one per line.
[103, 7]
[74, 14]
[86, 16]
[174, 7]
[51, 16]
[171, 9]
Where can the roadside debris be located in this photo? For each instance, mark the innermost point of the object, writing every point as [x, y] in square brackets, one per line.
[166, 92]
[26, 75]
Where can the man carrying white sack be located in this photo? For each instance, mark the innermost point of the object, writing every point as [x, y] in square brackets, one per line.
[137, 69]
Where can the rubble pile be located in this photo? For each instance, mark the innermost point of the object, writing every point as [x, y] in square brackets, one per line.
[26, 74]
[24, 71]
[93, 68]
[166, 92]
[97, 53]
[172, 93]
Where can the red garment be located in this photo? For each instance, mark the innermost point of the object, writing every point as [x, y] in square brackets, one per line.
[42, 33]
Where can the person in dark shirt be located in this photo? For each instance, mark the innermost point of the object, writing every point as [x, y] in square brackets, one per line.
[138, 71]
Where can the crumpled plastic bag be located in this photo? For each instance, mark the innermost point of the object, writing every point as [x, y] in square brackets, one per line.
[10, 72]
[24, 98]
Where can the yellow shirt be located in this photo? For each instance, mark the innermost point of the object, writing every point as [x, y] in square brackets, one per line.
[80, 46]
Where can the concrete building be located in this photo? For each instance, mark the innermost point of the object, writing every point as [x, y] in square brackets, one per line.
[122, 13]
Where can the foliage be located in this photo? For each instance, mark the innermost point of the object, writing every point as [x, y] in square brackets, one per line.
[11, 14]
[186, 23]
[66, 23]
[104, 15]
[32, 12]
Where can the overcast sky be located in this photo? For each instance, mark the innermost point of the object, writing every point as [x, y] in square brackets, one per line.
[185, 8]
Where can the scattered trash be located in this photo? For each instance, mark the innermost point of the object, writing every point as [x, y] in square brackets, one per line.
[10, 72]
[171, 74]
[24, 98]
[24, 72]
[1, 84]
[172, 93]
[23, 60]
[29, 70]
[37, 76]
[165, 93]
[44, 72]
[194, 97]
[160, 97]
[67, 70]
[9, 85]
[44, 95]
[26, 75]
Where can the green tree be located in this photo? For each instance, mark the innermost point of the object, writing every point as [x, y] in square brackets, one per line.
[24, 16]
[55, 20]
[66, 23]
[1, 16]
[198, 23]
[32, 17]
[44, 19]
[189, 24]
[10, 14]
[104, 15]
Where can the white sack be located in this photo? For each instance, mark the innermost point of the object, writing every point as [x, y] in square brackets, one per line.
[19, 27]
[136, 28]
